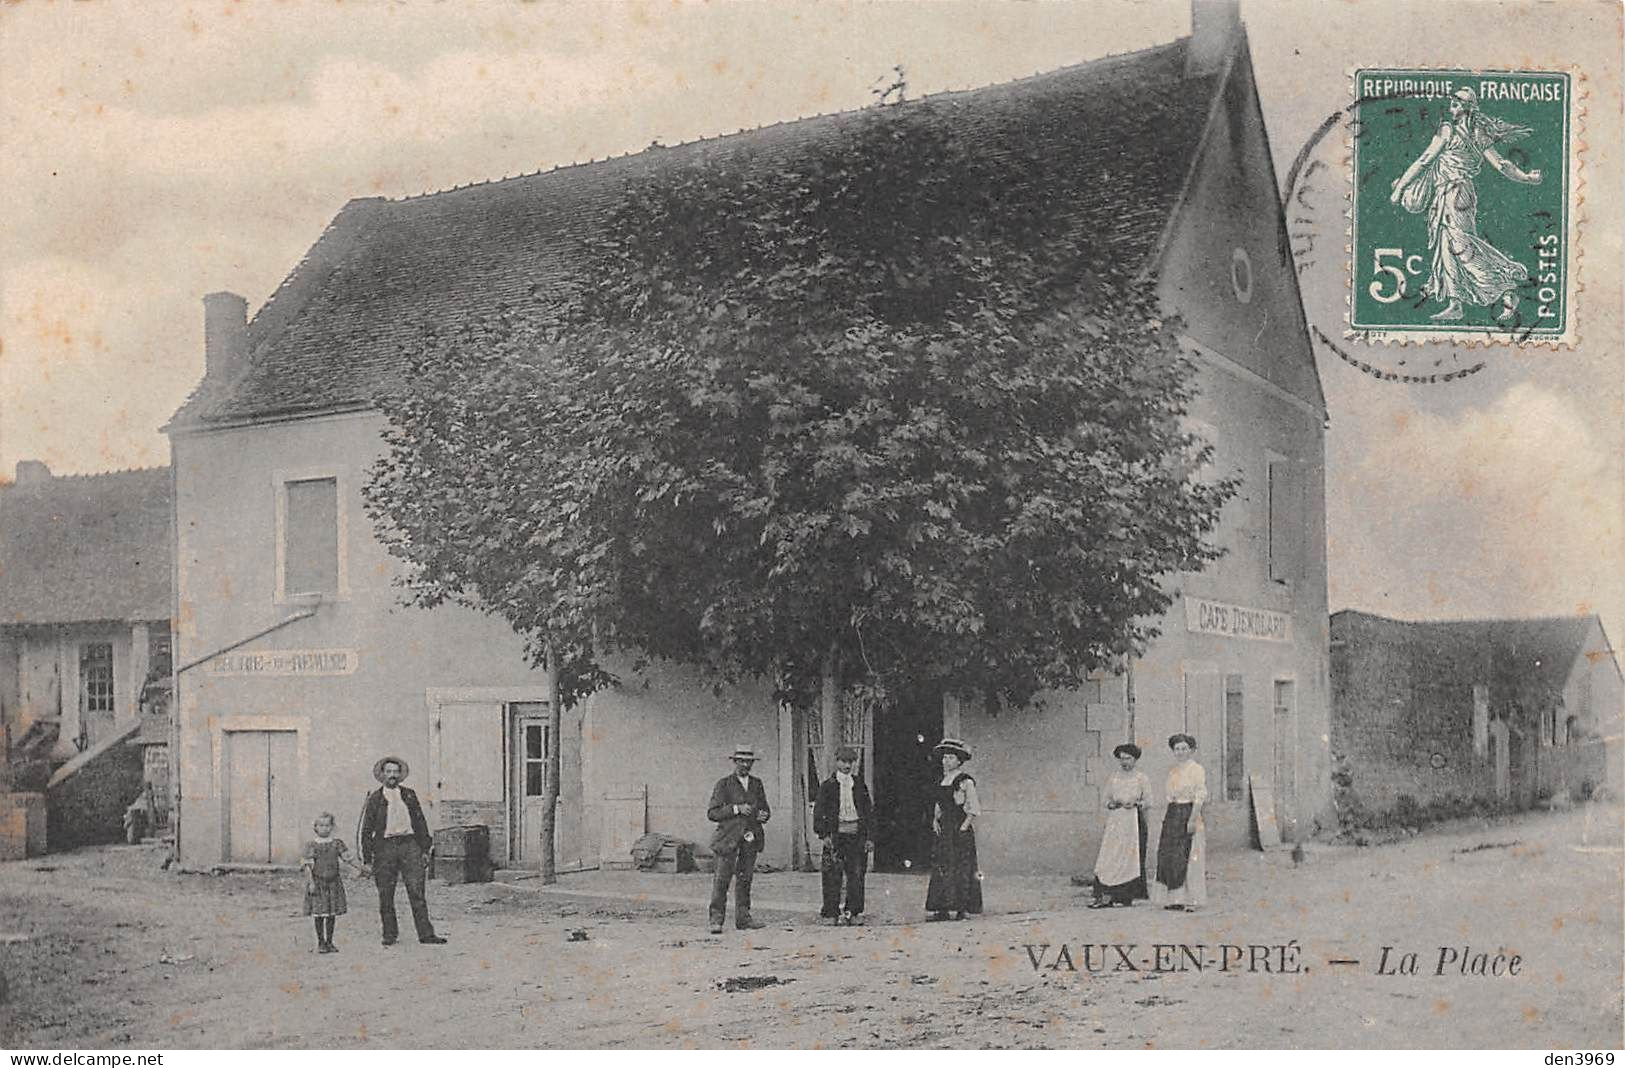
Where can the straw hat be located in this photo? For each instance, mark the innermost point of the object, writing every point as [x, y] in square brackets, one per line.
[378, 768]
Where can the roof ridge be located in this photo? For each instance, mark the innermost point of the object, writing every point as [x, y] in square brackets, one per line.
[658, 144]
[1469, 619]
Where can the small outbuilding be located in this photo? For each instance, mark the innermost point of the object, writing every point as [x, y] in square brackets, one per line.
[85, 574]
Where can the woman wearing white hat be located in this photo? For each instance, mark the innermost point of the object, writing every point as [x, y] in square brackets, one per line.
[956, 881]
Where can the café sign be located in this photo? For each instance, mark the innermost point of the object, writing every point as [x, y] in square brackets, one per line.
[279, 662]
[1236, 621]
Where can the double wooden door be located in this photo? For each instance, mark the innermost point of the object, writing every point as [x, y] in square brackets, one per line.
[262, 782]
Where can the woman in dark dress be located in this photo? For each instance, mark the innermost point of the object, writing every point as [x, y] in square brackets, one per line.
[956, 881]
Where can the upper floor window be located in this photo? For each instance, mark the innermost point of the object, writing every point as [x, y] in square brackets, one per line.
[309, 550]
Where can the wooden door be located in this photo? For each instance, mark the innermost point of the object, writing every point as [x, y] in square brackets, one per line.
[262, 786]
[527, 789]
[1286, 757]
[248, 769]
[289, 827]
[96, 696]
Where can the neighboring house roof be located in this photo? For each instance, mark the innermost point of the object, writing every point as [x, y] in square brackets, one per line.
[76, 548]
[387, 271]
[1444, 652]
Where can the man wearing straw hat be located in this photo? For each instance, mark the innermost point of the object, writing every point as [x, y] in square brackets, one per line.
[738, 808]
[395, 843]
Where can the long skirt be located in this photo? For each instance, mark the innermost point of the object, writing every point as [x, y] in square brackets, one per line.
[1466, 267]
[1120, 867]
[956, 883]
[1181, 861]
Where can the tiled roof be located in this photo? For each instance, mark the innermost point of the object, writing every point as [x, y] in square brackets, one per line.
[386, 271]
[77, 548]
[1465, 651]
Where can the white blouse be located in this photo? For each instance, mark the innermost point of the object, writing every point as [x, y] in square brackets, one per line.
[1187, 784]
[1129, 788]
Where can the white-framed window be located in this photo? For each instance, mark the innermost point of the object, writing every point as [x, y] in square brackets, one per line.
[96, 676]
[311, 555]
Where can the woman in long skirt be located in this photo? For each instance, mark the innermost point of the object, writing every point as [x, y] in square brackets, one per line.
[956, 881]
[1120, 866]
[1182, 850]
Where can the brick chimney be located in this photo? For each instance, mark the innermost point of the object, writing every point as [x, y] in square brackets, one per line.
[1215, 25]
[225, 335]
[32, 472]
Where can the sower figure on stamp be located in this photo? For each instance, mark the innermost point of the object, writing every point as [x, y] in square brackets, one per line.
[1443, 183]
[738, 808]
[841, 817]
[395, 843]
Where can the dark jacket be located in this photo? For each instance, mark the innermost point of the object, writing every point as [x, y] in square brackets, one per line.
[375, 817]
[827, 809]
[732, 828]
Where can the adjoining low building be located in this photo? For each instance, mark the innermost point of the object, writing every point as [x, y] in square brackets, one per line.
[85, 594]
[1513, 710]
[307, 669]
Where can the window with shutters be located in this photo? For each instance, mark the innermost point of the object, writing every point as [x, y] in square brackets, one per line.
[310, 537]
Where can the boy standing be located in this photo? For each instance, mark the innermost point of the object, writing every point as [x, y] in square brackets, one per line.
[841, 817]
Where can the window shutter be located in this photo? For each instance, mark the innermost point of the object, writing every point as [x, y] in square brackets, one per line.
[1288, 520]
[311, 538]
[470, 751]
[1204, 697]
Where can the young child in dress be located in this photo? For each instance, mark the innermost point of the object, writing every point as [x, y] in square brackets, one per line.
[324, 883]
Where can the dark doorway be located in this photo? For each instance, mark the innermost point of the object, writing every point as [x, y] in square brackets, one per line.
[905, 732]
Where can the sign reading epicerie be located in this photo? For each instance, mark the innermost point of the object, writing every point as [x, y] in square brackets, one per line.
[1236, 621]
[286, 662]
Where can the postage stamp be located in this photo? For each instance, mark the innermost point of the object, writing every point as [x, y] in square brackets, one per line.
[1463, 209]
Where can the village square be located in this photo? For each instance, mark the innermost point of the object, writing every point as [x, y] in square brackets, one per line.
[105, 951]
[865, 580]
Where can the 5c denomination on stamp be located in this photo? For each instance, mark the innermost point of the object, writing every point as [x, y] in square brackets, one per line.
[1463, 214]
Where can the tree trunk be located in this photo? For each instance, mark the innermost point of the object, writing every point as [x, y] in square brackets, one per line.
[550, 806]
[829, 707]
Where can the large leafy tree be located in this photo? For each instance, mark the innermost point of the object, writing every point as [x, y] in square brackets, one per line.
[866, 409]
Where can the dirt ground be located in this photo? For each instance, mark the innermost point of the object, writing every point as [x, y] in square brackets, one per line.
[100, 949]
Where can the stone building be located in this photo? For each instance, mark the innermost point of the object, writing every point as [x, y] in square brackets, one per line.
[1517, 710]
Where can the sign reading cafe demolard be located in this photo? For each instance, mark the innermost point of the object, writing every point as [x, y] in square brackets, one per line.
[286, 662]
[1236, 621]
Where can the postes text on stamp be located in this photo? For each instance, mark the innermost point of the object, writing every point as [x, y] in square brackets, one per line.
[1462, 217]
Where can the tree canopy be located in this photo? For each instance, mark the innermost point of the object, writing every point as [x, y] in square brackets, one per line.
[868, 399]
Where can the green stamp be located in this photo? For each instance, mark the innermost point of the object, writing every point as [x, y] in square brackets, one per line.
[1462, 215]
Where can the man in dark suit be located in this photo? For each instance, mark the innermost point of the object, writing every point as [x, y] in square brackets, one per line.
[842, 818]
[738, 808]
[395, 843]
